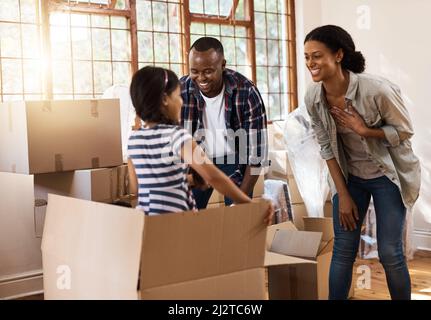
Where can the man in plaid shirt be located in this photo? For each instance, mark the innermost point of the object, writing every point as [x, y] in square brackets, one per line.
[225, 113]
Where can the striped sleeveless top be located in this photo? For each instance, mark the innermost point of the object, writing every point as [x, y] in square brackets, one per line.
[161, 173]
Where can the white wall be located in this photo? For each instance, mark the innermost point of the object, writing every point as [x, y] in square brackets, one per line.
[394, 37]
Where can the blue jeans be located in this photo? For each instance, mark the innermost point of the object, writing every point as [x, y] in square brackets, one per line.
[390, 217]
[202, 196]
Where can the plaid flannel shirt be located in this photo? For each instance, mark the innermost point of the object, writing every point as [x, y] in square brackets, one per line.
[244, 109]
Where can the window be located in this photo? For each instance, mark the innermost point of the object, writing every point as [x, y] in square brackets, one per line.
[160, 34]
[224, 21]
[272, 56]
[258, 37]
[89, 53]
[20, 51]
[73, 49]
[90, 49]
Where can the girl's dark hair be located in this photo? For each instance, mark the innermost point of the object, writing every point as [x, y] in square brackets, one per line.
[335, 38]
[148, 86]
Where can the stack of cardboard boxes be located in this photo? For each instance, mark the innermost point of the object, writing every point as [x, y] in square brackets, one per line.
[299, 252]
[73, 148]
[70, 148]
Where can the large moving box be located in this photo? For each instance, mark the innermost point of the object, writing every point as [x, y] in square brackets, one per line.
[23, 200]
[53, 136]
[96, 251]
[306, 277]
[298, 262]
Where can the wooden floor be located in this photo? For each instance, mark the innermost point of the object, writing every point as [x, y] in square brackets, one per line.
[420, 274]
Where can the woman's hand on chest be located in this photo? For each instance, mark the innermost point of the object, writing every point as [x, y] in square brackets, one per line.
[349, 118]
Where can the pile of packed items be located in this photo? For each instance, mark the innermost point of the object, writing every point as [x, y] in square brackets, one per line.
[300, 243]
[69, 148]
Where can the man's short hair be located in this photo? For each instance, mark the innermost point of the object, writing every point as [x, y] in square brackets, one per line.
[207, 43]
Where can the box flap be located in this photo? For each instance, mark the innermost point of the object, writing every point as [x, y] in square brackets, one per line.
[317, 224]
[297, 243]
[276, 259]
[274, 227]
[192, 245]
[94, 245]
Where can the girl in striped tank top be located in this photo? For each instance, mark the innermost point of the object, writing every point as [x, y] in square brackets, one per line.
[161, 151]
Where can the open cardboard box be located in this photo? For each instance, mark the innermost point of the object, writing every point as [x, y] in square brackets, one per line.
[23, 202]
[97, 251]
[299, 212]
[298, 261]
[53, 136]
[280, 168]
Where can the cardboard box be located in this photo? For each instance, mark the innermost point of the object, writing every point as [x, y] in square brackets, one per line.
[221, 204]
[101, 185]
[299, 212]
[298, 262]
[101, 249]
[303, 271]
[280, 168]
[215, 205]
[54, 136]
[327, 209]
[294, 194]
[217, 199]
[276, 135]
[23, 202]
[19, 245]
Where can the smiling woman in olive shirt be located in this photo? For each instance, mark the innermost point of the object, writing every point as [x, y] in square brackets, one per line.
[363, 129]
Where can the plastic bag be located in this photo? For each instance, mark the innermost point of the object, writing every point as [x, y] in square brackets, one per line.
[277, 192]
[368, 244]
[309, 169]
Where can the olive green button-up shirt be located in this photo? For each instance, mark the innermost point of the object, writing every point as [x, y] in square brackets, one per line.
[380, 104]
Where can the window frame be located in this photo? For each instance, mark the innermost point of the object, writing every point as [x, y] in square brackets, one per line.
[85, 8]
[22, 58]
[186, 19]
[249, 23]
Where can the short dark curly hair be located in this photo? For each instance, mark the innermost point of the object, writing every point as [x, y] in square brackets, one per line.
[207, 43]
